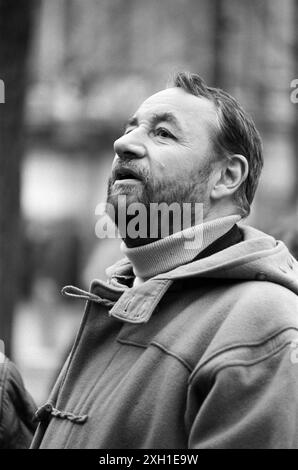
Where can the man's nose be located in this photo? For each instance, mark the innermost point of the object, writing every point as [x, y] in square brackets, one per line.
[129, 146]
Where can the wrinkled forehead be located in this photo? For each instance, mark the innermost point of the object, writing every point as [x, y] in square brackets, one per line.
[186, 107]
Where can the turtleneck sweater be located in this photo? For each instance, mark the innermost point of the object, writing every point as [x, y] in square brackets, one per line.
[177, 249]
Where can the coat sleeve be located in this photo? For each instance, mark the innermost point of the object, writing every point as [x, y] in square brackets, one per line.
[17, 409]
[246, 404]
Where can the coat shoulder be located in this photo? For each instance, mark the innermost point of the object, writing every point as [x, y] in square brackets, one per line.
[223, 315]
[262, 319]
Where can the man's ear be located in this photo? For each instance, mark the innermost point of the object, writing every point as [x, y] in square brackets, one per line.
[230, 176]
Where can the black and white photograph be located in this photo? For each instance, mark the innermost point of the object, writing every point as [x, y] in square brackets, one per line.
[148, 228]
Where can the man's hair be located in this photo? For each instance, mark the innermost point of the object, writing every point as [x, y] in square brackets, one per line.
[237, 133]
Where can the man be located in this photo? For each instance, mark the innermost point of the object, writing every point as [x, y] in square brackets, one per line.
[186, 345]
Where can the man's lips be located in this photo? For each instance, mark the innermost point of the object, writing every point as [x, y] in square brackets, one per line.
[126, 174]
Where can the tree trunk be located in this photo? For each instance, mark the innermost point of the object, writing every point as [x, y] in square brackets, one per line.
[15, 27]
[295, 124]
[220, 35]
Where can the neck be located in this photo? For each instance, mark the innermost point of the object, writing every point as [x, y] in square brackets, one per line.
[168, 253]
[164, 225]
[195, 219]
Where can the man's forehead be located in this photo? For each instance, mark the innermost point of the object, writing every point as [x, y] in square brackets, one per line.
[180, 102]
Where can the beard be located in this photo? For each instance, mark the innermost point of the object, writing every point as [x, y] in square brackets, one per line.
[191, 189]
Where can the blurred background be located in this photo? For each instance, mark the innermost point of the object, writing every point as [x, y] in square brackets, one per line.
[74, 70]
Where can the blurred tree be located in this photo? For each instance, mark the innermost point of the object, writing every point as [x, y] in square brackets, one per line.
[220, 22]
[295, 124]
[15, 28]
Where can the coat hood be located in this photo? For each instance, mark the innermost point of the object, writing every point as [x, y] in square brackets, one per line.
[258, 257]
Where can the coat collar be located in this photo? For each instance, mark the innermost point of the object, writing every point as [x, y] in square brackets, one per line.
[137, 304]
[132, 305]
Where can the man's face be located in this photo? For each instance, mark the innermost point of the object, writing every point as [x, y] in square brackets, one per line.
[166, 152]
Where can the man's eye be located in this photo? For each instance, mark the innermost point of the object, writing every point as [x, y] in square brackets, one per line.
[161, 132]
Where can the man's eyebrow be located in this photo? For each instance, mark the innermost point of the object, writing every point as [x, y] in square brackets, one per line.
[155, 119]
[132, 121]
[165, 117]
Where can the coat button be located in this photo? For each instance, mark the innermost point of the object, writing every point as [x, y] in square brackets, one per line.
[44, 412]
[261, 276]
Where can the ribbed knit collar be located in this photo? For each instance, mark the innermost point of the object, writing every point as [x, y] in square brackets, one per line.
[175, 250]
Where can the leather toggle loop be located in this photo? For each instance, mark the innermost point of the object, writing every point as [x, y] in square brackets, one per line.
[46, 411]
[75, 292]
